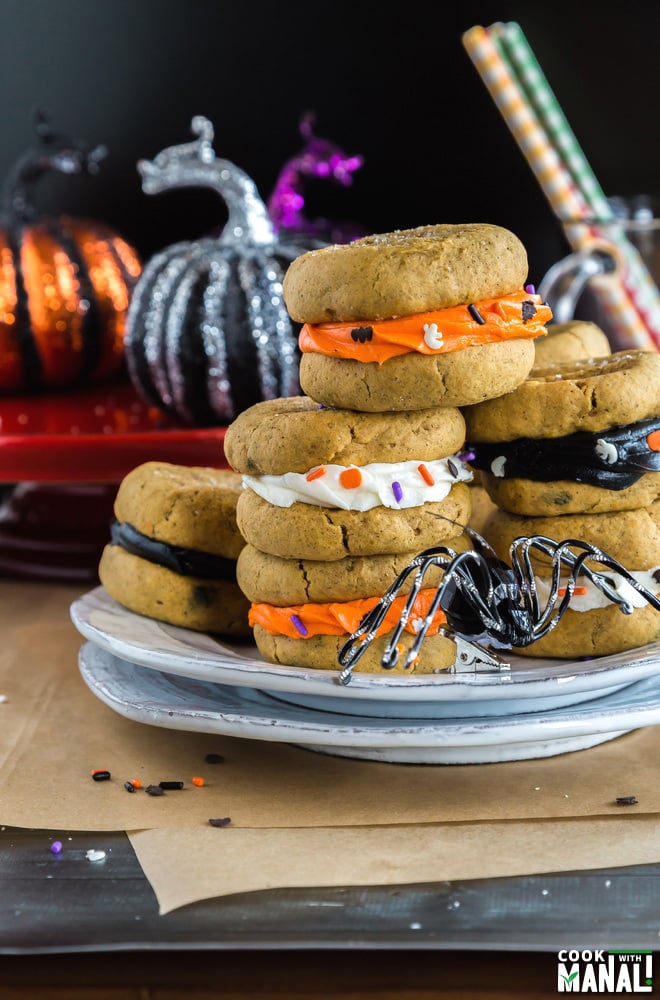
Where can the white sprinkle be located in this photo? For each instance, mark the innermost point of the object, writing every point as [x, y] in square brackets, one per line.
[3, 698]
[497, 466]
[432, 336]
[606, 451]
[608, 883]
[92, 855]
[537, 788]
[545, 892]
[415, 927]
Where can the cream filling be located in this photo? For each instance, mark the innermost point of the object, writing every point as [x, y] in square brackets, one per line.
[594, 598]
[397, 485]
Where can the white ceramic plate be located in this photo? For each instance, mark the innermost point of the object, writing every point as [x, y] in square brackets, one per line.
[185, 703]
[531, 685]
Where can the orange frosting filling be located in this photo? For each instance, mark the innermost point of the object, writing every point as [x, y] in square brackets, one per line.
[305, 620]
[520, 314]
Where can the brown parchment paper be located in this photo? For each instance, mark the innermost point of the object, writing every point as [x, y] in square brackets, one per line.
[185, 865]
[54, 731]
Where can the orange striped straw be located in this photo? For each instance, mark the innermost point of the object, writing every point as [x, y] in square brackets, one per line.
[558, 186]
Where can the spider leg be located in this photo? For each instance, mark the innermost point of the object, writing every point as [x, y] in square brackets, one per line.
[357, 643]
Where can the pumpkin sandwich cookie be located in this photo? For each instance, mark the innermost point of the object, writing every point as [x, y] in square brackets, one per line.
[174, 546]
[433, 316]
[592, 625]
[303, 611]
[574, 437]
[324, 484]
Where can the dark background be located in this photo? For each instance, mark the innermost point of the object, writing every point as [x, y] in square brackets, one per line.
[395, 85]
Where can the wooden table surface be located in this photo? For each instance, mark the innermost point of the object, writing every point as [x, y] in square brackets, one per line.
[69, 931]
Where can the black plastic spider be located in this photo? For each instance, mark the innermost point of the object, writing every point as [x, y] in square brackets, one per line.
[484, 600]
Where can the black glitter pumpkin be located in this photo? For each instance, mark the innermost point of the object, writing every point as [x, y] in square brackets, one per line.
[208, 333]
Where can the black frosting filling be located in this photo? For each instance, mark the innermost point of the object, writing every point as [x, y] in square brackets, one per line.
[186, 562]
[575, 457]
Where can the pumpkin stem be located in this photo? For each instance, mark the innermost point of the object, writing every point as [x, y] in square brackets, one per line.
[194, 164]
[53, 152]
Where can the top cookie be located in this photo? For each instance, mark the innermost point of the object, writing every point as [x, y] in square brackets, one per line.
[559, 399]
[294, 434]
[405, 272]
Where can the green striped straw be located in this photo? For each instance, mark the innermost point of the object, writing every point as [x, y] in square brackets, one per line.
[514, 47]
[550, 171]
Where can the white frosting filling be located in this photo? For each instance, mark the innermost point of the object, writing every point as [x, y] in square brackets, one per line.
[594, 598]
[397, 485]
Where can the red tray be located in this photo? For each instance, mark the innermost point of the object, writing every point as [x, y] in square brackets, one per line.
[64, 455]
[95, 435]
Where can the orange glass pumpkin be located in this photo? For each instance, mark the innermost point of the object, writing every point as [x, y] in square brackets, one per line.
[65, 284]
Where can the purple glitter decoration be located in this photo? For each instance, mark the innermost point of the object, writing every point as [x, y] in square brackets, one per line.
[56, 847]
[299, 625]
[319, 158]
[397, 491]
[530, 289]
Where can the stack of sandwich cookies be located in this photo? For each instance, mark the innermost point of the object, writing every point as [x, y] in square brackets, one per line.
[574, 452]
[433, 316]
[174, 546]
[336, 503]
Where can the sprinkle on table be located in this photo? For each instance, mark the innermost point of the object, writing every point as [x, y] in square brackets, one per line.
[129, 786]
[101, 774]
[56, 847]
[225, 821]
[154, 790]
[214, 758]
[198, 781]
[93, 855]
[626, 800]
[171, 786]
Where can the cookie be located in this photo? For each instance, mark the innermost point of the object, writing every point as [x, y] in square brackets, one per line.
[414, 381]
[404, 272]
[307, 531]
[268, 579]
[434, 316]
[174, 546]
[320, 652]
[592, 625]
[294, 434]
[571, 341]
[573, 437]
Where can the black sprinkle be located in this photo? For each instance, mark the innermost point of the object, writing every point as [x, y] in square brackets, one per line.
[362, 333]
[476, 315]
[154, 790]
[452, 468]
[128, 785]
[225, 821]
[656, 575]
[171, 786]
[214, 758]
[528, 310]
[101, 775]
[626, 800]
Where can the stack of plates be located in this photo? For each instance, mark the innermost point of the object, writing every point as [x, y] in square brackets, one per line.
[172, 677]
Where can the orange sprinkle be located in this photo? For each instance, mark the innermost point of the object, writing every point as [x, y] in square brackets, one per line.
[426, 475]
[315, 473]
[198, 781]
[350, 479]
[577, 592]
[136, 783]
[653, 440]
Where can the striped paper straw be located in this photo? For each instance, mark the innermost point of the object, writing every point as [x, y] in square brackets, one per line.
[641, 287]
[557, 185]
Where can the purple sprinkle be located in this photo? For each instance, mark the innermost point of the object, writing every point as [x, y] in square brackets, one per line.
[466, 456]
[530, 289]
[56, 847]
[299, 625]
[397, 491]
